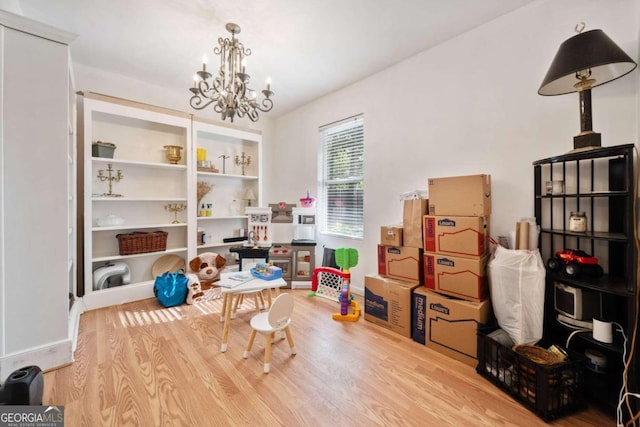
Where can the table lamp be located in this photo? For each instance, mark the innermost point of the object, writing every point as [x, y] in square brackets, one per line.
[249, 196]
[584, 61]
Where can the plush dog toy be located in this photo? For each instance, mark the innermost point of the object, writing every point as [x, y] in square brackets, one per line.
[207, 266]
[194, 290]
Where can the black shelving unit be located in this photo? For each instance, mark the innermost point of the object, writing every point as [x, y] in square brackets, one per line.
[601, 183]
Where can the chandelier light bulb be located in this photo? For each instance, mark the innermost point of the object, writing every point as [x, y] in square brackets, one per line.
[269, 83]
[243, 64]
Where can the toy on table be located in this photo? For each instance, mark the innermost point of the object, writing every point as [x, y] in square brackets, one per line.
[333, 284]
[266, 271]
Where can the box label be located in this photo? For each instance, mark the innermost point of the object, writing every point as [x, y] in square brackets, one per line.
[382, 260]
[419, 317]
[446, 223]
[429, 234]
[439, 308]
[429, 272]
[375, 305]
[446, 261]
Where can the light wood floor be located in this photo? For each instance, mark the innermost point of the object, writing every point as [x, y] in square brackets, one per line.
[141, 364]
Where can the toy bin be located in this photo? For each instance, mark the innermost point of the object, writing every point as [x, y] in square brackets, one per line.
[140, 242]
[103, 149]
[551, 391]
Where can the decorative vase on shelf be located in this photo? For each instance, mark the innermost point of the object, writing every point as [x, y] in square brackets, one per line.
[234, 208]
[173, 153]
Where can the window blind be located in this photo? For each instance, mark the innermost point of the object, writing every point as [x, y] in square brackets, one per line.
[341, 178]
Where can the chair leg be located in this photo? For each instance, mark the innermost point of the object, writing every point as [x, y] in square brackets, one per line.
[269, 297]
[267, 353]
[290, 340]
[249, 344]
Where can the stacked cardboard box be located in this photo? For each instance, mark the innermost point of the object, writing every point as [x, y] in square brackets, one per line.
[455, 236]
[387, 302]
[448, 325]
[454, 301]
[400, 255]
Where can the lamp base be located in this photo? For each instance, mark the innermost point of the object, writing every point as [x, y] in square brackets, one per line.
[591, 139]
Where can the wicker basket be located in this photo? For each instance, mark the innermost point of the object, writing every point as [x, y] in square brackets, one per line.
[539, 355]
[141, 242]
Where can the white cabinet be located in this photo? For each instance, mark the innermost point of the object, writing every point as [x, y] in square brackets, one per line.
[226, 200]
[36, 207]
[144, 183]
[129, 192]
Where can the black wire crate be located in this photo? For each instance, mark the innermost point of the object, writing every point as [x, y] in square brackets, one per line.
[550, 391]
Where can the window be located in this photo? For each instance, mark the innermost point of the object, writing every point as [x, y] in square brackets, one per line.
[341, 178]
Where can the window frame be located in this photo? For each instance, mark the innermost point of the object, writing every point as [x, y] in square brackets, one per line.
[347, 222]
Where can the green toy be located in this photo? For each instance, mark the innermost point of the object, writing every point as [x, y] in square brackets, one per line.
[346, 258]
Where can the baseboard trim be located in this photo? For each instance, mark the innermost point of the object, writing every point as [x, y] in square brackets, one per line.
[46, 357]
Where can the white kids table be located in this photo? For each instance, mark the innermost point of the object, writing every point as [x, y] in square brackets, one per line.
[235, 284]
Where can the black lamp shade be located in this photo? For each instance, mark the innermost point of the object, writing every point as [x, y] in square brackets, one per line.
[591, 50]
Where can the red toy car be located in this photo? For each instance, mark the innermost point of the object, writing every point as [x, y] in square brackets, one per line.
[574, 262]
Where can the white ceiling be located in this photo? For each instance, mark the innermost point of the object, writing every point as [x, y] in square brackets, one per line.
[308, 47]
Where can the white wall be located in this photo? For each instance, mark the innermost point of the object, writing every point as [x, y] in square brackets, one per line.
[467, 106]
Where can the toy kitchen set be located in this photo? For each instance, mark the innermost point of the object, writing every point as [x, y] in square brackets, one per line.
[293, 232]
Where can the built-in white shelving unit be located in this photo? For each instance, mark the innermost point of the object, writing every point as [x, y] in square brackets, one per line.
[149, 182]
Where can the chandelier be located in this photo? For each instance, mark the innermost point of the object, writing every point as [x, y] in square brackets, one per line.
[228, 91]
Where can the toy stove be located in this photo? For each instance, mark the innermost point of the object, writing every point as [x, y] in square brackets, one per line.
[259, 227]
[294, 231]
[281, 255]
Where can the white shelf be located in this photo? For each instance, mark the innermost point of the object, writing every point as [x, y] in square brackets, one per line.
[139, 199]
[204, 218]
[220, 244]
[226, 175]
[113, 257]
[152, 165]
[136, 226]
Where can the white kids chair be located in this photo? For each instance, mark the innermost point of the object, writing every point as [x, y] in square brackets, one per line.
[268, 323]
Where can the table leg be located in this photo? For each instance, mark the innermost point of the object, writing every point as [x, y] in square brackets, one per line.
[227, 323]
[223, 310]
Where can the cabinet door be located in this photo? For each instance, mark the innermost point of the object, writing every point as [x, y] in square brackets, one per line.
[34, 162]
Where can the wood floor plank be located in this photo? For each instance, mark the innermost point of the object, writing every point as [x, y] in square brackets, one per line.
[142, 364]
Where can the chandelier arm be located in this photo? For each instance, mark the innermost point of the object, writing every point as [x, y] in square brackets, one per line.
[267, 105]
[196, 102]
[253, 115]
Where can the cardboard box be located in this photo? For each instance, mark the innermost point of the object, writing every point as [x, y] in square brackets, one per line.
[460, 195]
[401, 262]
[464, 236]
[456, 276]
[387, 302]
[449, 325]
[391, 235]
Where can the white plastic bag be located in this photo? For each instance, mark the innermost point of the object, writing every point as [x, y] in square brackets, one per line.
[516, 280]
